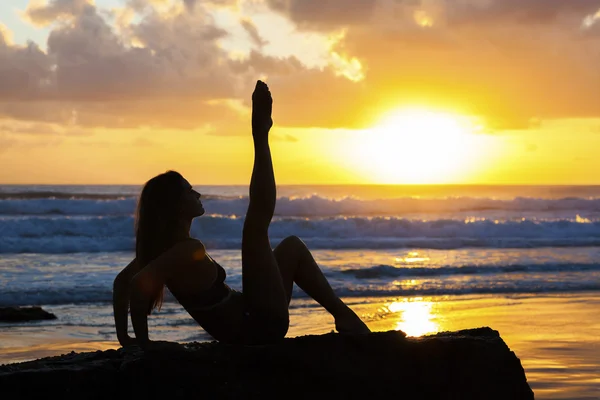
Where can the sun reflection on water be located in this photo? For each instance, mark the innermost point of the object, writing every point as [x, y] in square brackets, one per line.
[416, 317]
[412, 257]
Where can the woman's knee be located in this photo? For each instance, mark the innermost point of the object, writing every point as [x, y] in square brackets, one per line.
[292, 242]
[289, 249]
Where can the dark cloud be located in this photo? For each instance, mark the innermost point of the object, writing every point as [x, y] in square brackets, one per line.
[508, 72]
[332, 14]
[180, 57]
[25, 71]
[87, 60]
[259, 64]
[325, 14]
[90, 73]
[190, 4]
[518, 11]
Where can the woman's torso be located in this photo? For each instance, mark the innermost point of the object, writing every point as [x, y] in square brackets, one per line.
[218, 309]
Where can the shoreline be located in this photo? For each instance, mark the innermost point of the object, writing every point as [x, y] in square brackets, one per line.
[556, 337]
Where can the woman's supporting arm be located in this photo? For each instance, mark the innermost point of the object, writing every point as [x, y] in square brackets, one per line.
[172, 264]
[140, 299]
[121, 301]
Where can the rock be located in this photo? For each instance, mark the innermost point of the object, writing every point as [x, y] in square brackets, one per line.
[470, 364]
[19, 314]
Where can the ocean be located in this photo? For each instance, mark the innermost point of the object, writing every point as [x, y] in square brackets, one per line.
[416, 258]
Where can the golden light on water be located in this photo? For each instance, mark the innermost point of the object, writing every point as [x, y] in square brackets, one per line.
[416, 318]
[412, 257]
[416, 146]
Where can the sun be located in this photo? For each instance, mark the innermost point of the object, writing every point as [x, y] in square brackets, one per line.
[415, 146]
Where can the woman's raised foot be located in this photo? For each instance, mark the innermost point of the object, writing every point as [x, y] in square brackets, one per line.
[262, 106]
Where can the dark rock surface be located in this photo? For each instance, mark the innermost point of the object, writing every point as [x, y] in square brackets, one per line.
[20, 314]
[471, 364]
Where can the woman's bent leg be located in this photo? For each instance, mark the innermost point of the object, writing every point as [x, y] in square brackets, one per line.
[297, 264]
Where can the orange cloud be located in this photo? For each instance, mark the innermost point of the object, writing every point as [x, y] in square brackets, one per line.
[41, 14]
[509, 61]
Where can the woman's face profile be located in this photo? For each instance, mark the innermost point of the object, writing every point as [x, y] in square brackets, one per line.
[190, 205]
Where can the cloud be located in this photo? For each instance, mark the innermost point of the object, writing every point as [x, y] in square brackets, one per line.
[590, 20]
[53, 10]
[333, 14]
[250, 28]
[190, 4]
[166, 79]
[16, 127]
[316, 97]
[518, 11]
[25, 71]
[508, 61]
[325, 14]
[178, 57]
[161, 63]
[6, 37]
[35, 128]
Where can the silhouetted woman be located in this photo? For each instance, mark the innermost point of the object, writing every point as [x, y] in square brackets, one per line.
[166, 255]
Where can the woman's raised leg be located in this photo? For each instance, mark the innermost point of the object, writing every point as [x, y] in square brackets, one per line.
[264, 293]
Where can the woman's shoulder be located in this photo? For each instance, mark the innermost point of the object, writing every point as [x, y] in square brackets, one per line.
[186, 248]
[193, 242]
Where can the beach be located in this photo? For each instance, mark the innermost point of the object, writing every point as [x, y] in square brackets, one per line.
[557, 338]
[521, 260]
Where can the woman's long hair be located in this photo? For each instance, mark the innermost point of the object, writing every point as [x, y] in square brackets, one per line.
[156, 220]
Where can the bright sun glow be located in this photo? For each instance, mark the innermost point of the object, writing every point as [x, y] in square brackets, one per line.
[421, 147]
[416, 318]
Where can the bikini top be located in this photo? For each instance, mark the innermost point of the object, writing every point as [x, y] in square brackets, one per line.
[211, 296]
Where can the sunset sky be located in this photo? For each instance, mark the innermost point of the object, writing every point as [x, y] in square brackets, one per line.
[365, 91]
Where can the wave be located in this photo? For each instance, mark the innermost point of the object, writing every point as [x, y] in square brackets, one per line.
[313, 206]
[42, 234]
[389, 271]
[49, 195]
[87, 295]
[68, 207]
